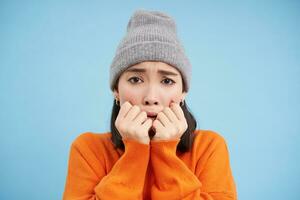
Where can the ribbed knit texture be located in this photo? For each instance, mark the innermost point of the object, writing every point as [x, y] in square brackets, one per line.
[151, 36]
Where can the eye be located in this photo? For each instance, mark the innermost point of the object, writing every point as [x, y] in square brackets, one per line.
[168, 81]
[135, 80]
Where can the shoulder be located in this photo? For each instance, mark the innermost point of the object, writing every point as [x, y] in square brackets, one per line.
[90, 149]
[208, 139]
[209, 135]
[89, 137]
[93, 141]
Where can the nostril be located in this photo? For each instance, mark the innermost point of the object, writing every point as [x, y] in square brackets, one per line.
[151, 103]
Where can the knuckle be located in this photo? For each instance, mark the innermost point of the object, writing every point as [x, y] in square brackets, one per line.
[121, 128]
[168, 109]
[144, 114]
[183, 128]
[185, 125]
[126, 105]
[135, 107]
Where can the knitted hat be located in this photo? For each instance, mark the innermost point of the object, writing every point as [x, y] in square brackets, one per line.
[151, 36]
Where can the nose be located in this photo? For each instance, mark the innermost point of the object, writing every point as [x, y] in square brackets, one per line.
[151, 97]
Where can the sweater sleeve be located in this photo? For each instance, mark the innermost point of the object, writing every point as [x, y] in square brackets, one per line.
[174, 180]
[216, 175]
[85, 181]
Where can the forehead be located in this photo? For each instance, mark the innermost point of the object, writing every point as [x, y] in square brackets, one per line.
[153, 66]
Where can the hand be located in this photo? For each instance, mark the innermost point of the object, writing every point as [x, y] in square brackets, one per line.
[132, 123]
[170, 124]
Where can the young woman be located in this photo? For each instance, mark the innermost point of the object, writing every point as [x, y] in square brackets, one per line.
[153, 150]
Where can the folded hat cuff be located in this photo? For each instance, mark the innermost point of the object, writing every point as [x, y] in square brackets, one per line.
[150, 51]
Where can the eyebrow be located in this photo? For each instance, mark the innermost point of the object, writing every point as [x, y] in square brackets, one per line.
[163, 72]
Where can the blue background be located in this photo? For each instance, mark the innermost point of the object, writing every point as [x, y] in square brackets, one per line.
[55, 58]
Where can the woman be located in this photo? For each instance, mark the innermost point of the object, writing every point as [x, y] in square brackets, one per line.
[153, 150]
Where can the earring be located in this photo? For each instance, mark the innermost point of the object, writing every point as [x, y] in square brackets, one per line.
[117, 102]
[181, 103]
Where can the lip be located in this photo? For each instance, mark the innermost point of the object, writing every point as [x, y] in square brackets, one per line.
[151, 114]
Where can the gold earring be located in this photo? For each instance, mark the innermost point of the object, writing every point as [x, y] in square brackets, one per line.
[181, 103]
[117, 102]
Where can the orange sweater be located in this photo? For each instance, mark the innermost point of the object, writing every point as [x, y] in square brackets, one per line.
[156, 171]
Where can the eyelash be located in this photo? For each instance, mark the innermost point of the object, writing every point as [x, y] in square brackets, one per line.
[135, 80]
[172, 82]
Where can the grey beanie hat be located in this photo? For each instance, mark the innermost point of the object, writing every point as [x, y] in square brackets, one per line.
[151, 36]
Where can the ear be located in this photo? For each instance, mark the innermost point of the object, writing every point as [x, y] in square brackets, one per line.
[183, 95]
[116, 94]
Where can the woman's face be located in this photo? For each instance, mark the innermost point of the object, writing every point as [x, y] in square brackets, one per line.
[150, 85]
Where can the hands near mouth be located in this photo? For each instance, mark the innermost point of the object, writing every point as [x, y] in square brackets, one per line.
[170, 123]
[132, 123]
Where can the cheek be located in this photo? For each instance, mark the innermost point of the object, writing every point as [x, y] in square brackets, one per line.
[126, 93]
[172, 96]
[130, 95]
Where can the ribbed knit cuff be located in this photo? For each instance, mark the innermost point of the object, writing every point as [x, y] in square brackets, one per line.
[164, 145]
[134, 148]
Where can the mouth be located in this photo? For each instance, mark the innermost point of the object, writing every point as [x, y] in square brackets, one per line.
[152, 116]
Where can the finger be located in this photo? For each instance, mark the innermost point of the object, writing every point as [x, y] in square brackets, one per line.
[163, 118]
[158, 125]
[125, 107]
[147, 124]
[177, 111]
[170, 114]
[133, 112]
[141, 117]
